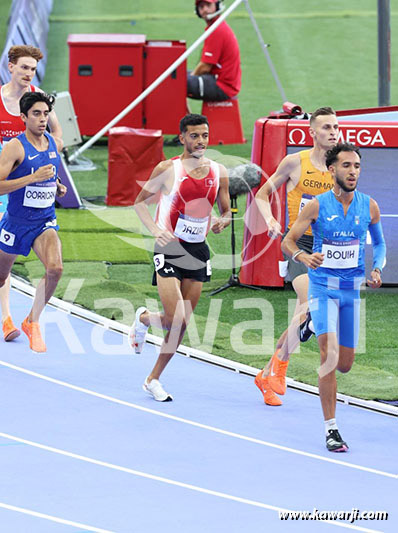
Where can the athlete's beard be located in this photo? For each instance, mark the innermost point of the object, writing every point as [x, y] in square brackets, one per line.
[343, 186]
[193, 153]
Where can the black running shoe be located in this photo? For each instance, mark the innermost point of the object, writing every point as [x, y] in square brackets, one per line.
[306, 328]
[334, 442]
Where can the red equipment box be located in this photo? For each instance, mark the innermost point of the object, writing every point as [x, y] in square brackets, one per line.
[106, 73]
[225, 123]
[375, 132]
[133, 154]
[166, 105]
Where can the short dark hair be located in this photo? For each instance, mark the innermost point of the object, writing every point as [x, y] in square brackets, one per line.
[29, 99]
[321, 111]
[332, 154]
[192, 120]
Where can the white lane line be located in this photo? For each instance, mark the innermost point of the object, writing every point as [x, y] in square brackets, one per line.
[167, 481]
[198, 424]
[53, 518]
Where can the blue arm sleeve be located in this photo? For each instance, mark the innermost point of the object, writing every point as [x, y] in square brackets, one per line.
[379, 245]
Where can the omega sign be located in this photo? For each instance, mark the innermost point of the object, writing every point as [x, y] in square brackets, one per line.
[360, 137]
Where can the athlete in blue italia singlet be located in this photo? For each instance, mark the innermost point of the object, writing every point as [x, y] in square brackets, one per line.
[340, 220]
[28, 174]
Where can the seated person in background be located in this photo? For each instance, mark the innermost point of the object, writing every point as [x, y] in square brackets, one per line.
[217, 76]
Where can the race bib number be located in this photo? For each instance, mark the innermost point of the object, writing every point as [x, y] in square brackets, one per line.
[158, 261]
[305, 198]
[39, 197]
[7, 238]
[191, 229]
[340, 254]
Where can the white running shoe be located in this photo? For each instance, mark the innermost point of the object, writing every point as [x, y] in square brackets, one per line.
[156, 390]
[138, 332]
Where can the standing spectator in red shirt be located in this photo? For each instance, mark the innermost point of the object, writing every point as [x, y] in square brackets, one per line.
[217, 76]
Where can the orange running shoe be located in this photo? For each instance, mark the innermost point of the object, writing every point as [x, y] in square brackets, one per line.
[270, 398]
[277, 374]
[32, 330]
[10, 331]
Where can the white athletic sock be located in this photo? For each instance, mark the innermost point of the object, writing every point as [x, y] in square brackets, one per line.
[330, 424]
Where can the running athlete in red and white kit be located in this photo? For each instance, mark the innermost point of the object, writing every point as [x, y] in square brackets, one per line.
[22, 65]
[189, 185]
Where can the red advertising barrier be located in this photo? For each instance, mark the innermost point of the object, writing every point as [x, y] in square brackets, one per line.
[260, 254]
[133, 154]
[375, 132]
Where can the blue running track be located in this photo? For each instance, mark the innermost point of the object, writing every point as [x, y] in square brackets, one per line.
[83, 448]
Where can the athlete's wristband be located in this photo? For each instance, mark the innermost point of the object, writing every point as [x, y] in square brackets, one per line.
[297, 253]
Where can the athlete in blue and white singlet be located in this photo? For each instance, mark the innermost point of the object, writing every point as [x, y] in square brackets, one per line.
[3, 198]
[341, 239]
[28, 174]
[340, 220]
[31, 209]
[22, 65]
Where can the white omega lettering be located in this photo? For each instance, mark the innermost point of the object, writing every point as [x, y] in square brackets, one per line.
[350, 136]
[378, 138]
[364, 137]
[300, 136]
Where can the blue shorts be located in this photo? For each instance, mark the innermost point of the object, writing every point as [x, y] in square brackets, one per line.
[17, 236]
[335, 311]
[3, 197]
[3, 203]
